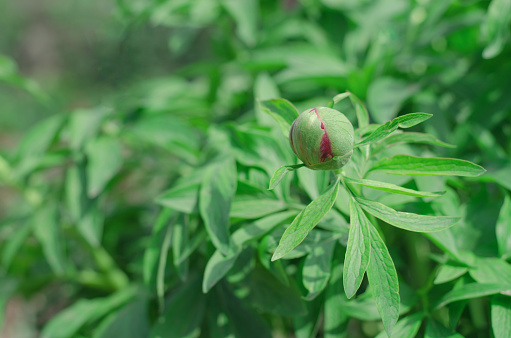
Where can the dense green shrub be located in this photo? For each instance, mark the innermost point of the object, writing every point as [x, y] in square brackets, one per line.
[148, 213]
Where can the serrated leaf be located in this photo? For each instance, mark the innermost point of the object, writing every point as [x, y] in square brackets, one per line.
[316, 268]
[412, 165]
[407, 220]
[104, 161]
[382, 277]
[472, 290]
[404, 121]
[216, 194]
[501, 316]
[280, 173]
[503, 228]
[282, 111]
[389, 187]
[358, 250]
[306, 221]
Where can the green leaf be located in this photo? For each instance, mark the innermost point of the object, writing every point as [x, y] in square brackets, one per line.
[361, 111]
[183, 196]
[282, 111]
[472, 290]
[306, 221]
[501, 316]
[382, 277]
[84, 124]
[389, 187]
[67, 322]
[449, 272]
[153, 250]
[503, 228]
[412, 165]
[435, 329]
[104, 161]
[316, 268]
[335, 316]
[252, 207]
[131, 321]
[406, 327]
[183, 314]
[491, 270]
[180, 242]
[216, 194]
[405, 121]
[496, 27]
[14, 244]
[219, 265]
[280, 173]
[162, 264]
[385, 97]
[358, 250]
[409, 137]
[216, 268]
[339, 97]
[407, 220]
[246, 14]
[267, 294]
[45, 223]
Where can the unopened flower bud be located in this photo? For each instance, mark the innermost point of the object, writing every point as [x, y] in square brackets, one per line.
[322, 138]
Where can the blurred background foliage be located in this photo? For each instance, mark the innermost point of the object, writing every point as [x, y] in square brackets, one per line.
[105, 105]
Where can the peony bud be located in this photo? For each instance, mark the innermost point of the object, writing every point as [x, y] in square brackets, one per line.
[322, 138]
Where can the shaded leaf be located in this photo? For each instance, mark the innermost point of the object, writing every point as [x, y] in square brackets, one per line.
[501, 316]
[216, 194]
[305, 221]
[316, 268]
[406, 327]
[104, 161]
[386, 95]
[382, 277]
[282, 111]
[358, 250]
[472, 290]
[503, 228]
[435, 329]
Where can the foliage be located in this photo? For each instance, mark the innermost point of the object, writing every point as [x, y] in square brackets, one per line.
[149, 213]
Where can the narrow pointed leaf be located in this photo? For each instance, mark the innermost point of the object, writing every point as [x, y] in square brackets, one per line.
[358, 250]
[316, 268]
[382, 277]
[501, 316]
[306, 221]
[216, 194]
[405, 121]
[503, 228]
[407, 220]
[361, 110]
[389, 187]
[412, 165]
[280, 173]
[406, 327]
[282, 111]
[472, 290]
[407, 137]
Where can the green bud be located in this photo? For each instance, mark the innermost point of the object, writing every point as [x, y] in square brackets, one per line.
[322, 138]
